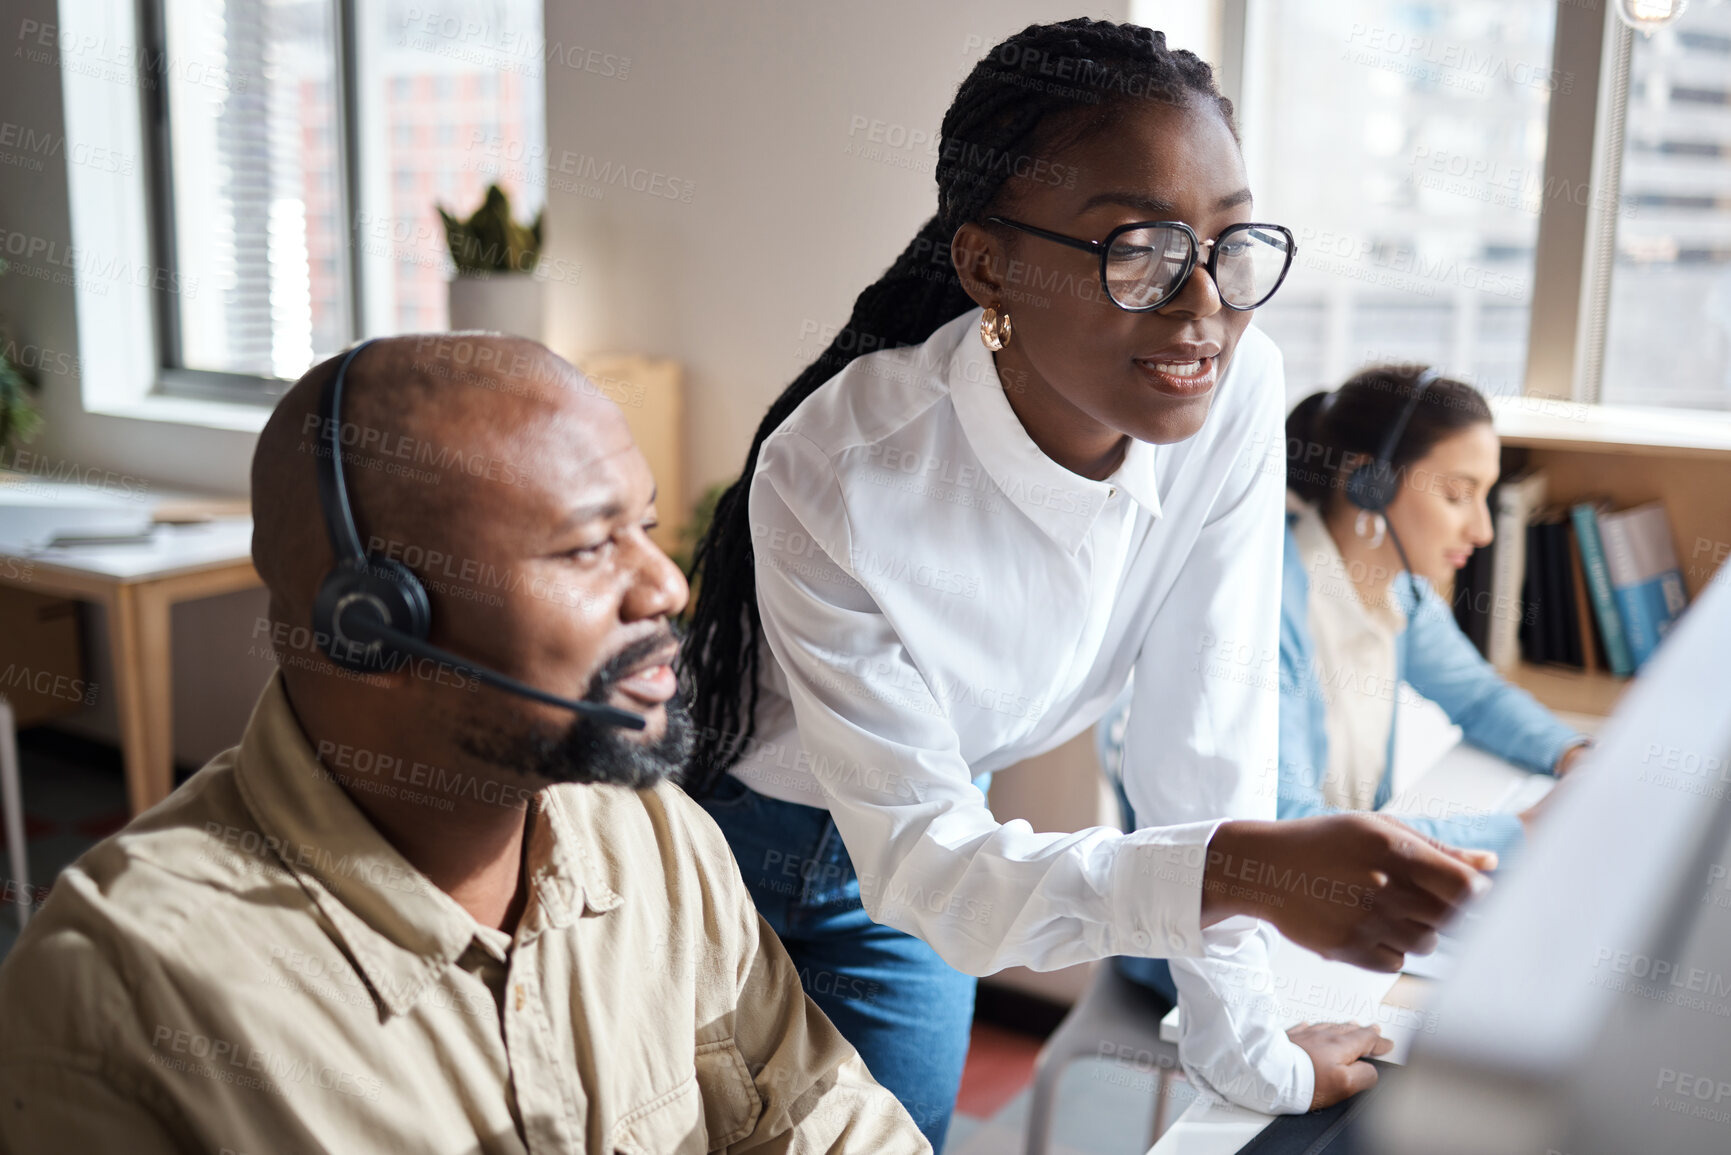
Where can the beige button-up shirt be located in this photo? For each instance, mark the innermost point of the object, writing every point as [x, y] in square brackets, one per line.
[250, 967]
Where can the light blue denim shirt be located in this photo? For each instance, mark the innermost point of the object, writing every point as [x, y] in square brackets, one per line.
[1437, 660]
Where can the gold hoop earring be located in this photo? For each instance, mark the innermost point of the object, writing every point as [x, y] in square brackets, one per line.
[995, 329]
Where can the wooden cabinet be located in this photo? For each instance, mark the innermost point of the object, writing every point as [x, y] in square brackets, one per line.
[41, 671]
[651, 393]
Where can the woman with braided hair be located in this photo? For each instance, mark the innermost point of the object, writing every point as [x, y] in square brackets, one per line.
[1061, 466]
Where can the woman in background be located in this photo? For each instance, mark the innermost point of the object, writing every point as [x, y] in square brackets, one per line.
[1355, 622]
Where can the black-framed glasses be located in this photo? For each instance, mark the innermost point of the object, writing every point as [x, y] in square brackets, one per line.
[1145, 264]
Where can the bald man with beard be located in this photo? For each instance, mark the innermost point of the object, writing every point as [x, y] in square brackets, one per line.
[410, 912]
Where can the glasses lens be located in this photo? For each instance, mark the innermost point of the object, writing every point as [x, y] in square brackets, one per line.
[1248, 264]
[1143, 265]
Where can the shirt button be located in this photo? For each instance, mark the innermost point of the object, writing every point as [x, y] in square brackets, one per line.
[1141, 938]
[519, 993]
[1176, 942]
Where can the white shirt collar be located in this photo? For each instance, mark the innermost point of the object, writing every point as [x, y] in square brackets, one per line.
[1063, 504]
[1331, 578]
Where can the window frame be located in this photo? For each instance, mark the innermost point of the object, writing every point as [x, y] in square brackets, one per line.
[1577, 244]
[173, 377]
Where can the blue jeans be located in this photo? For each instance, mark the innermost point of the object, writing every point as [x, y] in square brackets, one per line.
[903, 1008]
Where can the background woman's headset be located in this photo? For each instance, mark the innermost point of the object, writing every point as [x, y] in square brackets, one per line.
[1372, 487]
[372, 612]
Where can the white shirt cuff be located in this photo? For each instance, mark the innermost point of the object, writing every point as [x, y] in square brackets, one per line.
[1157, 890]
[1282, 1082]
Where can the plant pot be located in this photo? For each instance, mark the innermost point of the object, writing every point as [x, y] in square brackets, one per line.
[501, 303]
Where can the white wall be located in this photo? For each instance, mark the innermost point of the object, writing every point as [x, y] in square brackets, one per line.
[756, 105]
[761, 109]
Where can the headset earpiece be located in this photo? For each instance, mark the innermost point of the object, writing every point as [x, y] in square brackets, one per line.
[1372, 485]
[382, 590]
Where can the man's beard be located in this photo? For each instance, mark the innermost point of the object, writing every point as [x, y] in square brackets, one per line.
[588, 752]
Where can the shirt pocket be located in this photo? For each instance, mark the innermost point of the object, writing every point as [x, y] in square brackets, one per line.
[717, 1105]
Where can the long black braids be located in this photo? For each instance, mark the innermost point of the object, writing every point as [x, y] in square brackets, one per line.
[1073, 77]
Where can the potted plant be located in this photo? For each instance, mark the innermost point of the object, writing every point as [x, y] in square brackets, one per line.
[495, 287]
[19, 419]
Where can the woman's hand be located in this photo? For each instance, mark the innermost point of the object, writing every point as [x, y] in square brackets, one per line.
[1565, 762]
[1338, 1051]
[1567, 759]
[1361, 888]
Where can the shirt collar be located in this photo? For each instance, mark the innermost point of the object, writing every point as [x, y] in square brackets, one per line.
[400, 929]
[1063, 504]
[1328, 575]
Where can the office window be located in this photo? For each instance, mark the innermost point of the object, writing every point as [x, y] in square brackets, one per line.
[1404, 145]
[306, 221]
[479, 65]
[1668, 328]
[254, 184]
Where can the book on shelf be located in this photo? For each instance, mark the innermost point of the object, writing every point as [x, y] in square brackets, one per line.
[1517, 498]
[1549, 628]
[1534, 639]
[1646, 580]
[1592, 645]
[1585, 515]
[1558, 610]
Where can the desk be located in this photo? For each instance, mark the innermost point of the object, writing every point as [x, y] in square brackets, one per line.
[1465, 777]
[139, 585]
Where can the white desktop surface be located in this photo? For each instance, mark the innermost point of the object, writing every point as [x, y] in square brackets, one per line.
[171, 549]
[33, 508]
[1311, 988]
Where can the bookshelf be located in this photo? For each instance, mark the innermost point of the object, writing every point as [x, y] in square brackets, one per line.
[1632, 457]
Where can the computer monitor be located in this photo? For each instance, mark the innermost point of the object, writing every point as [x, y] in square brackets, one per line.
[1590, 1010]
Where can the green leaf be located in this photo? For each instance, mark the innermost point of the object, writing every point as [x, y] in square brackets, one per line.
[19, 419]
[491, 241]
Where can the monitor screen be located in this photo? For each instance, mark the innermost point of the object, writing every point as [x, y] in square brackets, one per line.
[1590, 1010]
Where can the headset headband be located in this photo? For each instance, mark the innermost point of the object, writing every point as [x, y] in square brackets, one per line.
[369, 609]
[1385, 455]
[333, 491]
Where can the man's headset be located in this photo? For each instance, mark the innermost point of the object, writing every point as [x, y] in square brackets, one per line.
[371, 609]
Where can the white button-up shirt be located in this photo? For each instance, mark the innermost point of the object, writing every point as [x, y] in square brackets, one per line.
[943, 600]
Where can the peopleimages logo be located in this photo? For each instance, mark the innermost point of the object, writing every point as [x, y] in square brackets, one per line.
[45, 252]
[587, 170]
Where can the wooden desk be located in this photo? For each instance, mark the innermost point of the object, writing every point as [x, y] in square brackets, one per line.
[139, 585]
